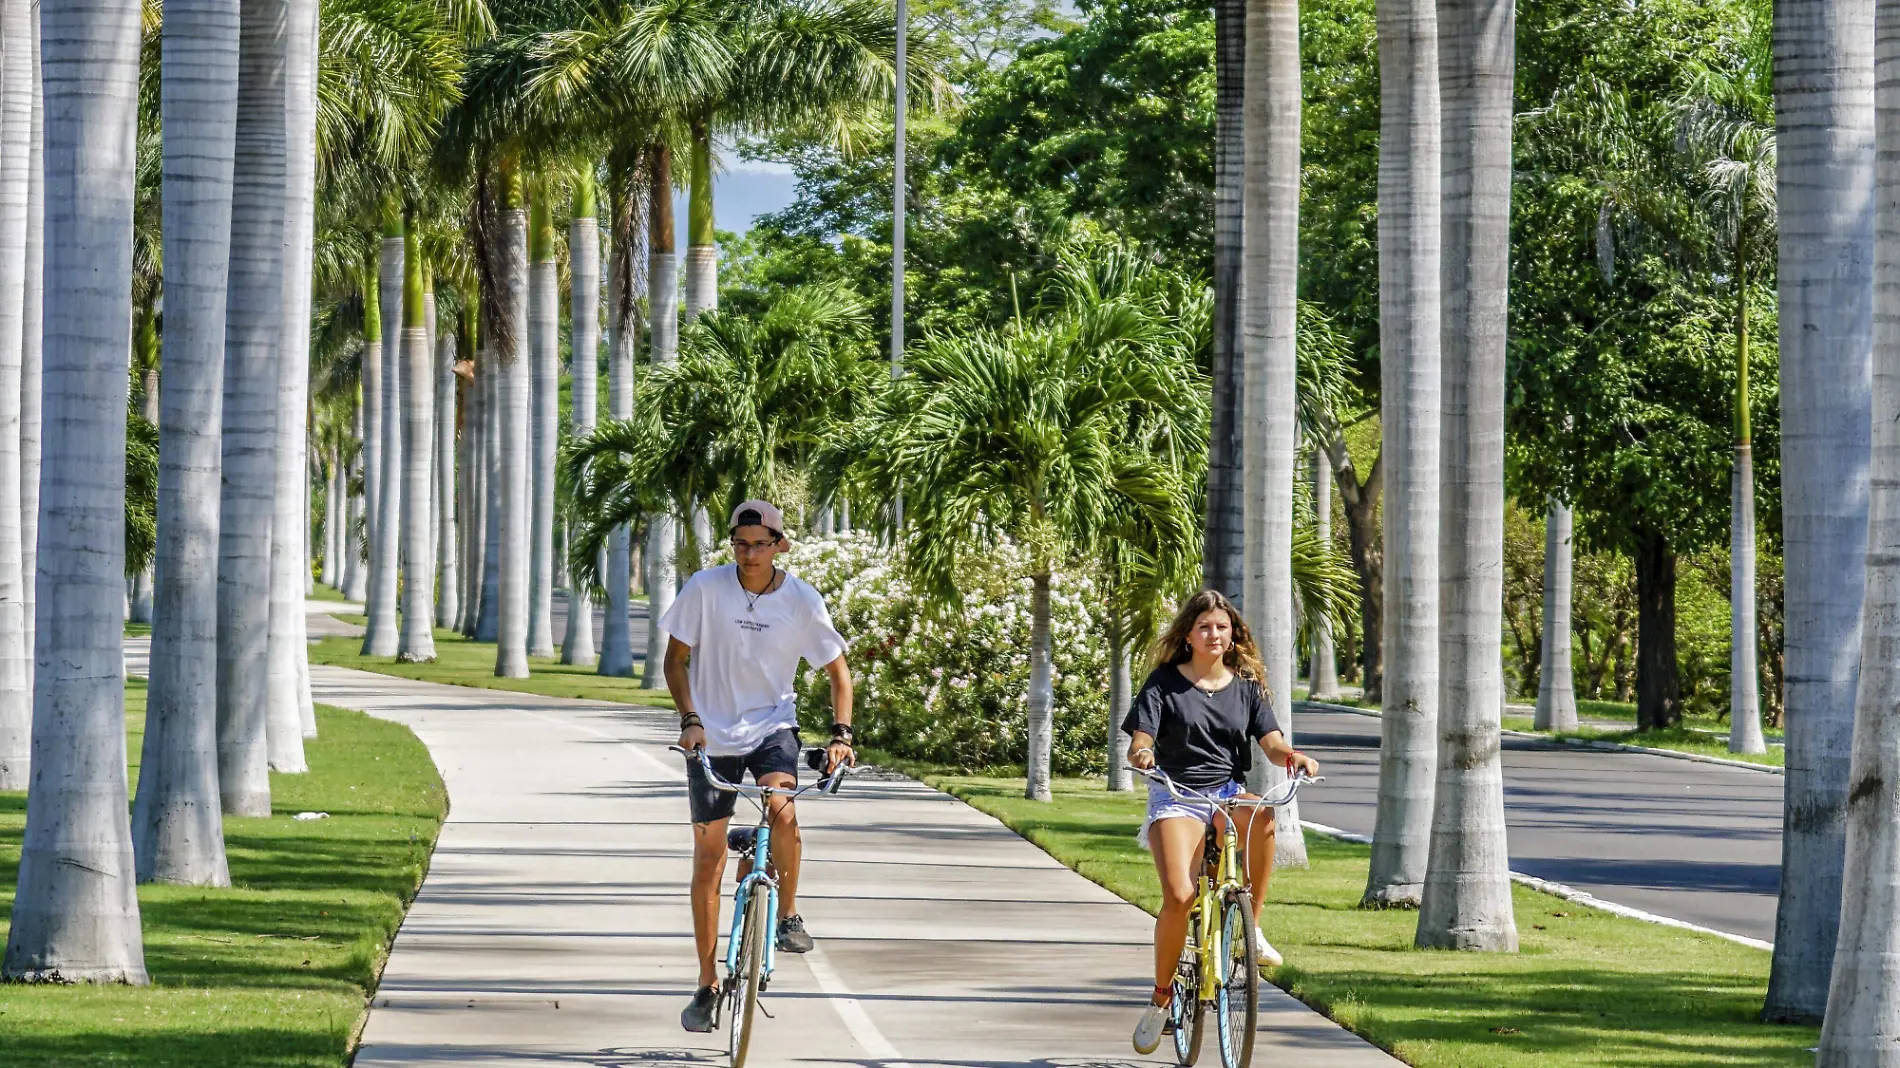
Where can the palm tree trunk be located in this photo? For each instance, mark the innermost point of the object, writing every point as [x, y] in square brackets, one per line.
[1824, 117]
[177, 825]
[253, 342]
[381, 634]
[1744, 714]
[1041, 692]
[355, 507]
[1226, 527]
[332, 521]
[417, 641]
[1466, 902]
[1556, 690]
[1323, 674]
[488, 622]
[469, 505]
[75, 915]
[544, 355]
[1658, 680]
[1271, 136]
[370, 434]
[475, 435]
[1120, 693]
[583, 257]
[623, 335]
[663, 343]
[511, 315]
[32, 344]
[1409, 268]
[448, 571]
[16, 121]
[702, 251]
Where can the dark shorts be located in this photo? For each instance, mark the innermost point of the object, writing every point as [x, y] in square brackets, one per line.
[779, 752]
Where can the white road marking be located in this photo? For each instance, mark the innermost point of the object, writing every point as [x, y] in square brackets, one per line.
[856, 1020]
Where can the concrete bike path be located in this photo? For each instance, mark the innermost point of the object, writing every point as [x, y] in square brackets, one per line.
[552, 929]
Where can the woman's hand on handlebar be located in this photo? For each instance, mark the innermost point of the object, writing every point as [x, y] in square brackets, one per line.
[1304, 763]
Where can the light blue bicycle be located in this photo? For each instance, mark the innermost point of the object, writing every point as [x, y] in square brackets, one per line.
[751, 947]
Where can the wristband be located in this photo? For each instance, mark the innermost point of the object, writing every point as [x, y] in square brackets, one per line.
[841, 732]
[1290, 758]
[690, 720]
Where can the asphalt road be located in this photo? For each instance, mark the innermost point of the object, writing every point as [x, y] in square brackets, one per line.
[1693, 841]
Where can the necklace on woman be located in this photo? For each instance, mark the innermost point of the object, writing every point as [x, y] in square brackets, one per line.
[752, 599]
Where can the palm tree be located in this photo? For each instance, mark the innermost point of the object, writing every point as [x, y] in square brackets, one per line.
[450, 503]
[32, 343]
[583, 257]
[623, 329]
[417, 640]
[177, 827]
[380, 632]
[1556, 692]
[253, 337]
[544, 364]
[1323, 674]
[510, 317]
[75, 916]
[663, 350]
[1270, 324]
[16, 118]
[1824, 119]
[1409, 267]
[1466, 900]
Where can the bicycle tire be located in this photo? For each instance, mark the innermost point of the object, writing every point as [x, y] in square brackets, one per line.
[1188, 1010]
[1239, 982]
[745, 1001]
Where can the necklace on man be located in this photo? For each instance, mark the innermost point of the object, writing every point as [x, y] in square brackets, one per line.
[752, 599]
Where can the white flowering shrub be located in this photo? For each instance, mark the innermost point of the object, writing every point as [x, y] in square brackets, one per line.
[953, 688]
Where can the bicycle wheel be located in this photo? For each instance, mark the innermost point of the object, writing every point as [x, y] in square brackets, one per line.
[1186, 1009]
[1237, 1000]
[745, 991]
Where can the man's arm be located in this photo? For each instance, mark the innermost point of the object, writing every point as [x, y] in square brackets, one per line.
[841, 693]
[678, 653]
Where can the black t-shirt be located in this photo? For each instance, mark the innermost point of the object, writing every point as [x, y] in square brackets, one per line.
[1202, 739]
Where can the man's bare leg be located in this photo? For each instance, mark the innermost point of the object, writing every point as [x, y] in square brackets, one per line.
[709, 872]
[787, 848]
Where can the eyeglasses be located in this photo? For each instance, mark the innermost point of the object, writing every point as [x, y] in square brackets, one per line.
[741, 546]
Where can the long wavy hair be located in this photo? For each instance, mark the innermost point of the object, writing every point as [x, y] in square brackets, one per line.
[1243, 657]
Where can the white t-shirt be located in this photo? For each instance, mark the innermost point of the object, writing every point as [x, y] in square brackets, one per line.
[746, 652]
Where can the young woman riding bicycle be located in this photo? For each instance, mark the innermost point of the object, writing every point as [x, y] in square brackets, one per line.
[1197, 718]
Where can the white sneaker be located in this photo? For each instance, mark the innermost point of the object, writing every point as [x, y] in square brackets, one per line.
[1148, 1030]
[1263, 952]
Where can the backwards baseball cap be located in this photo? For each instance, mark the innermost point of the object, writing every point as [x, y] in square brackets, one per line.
[759, 514]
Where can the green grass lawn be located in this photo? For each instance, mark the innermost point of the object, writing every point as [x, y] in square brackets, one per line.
[462, 662]
[320, 592]
[275, 971]
[138, 630]
[1588, 988]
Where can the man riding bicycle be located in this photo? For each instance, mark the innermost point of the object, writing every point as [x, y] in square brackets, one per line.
[735, 637]
[1197, 719]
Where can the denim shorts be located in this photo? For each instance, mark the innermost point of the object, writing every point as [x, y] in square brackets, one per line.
[779, 752]
[1163, 805]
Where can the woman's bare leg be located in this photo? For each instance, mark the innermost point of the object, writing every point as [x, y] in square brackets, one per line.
[1257, 825]
[1177, 848]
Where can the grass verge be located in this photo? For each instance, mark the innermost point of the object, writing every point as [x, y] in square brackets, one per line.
[460, 661]
[320, 592]
[1679, 739]
[273, 972]
[1587, 988]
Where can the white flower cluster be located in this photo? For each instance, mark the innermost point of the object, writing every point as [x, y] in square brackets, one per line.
[951, 686]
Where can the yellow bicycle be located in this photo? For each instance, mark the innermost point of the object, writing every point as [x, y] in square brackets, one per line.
[1217, 966]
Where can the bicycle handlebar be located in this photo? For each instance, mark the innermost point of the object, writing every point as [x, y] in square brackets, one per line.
[827, 784]
[1274, 798]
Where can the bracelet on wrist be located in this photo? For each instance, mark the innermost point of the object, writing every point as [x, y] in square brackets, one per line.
[841, 732]
[690, 720]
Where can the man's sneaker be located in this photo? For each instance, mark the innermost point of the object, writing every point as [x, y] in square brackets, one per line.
[1148, 1029]
[792, 937]
[1263, 952]
[698, 1016]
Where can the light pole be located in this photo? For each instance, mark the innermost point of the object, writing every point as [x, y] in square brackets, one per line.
[897, 230]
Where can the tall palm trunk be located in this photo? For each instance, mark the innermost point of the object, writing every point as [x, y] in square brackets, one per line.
[1041, 691]
[16, 122]
[254, 333]
[1226, 527]
[370, 433]
[1323, 674]
[511, 318]
[1824, 119]
[702, 251]
[475, 437]
[381, 636]
[449, 505]
[488, 623]
[32, 346]
[623, 335]
[583, 258]
[1120, 694]
[332, 519]
[1271, 191]
[300, 129]
[663, 342]
[417, 641]
[1409, 341]
[355, 506]
[1556, 689]
[1864, 995]
[177, 826]
[544, 356]
[75, 915]
[1466, 902]
[1744, 687]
